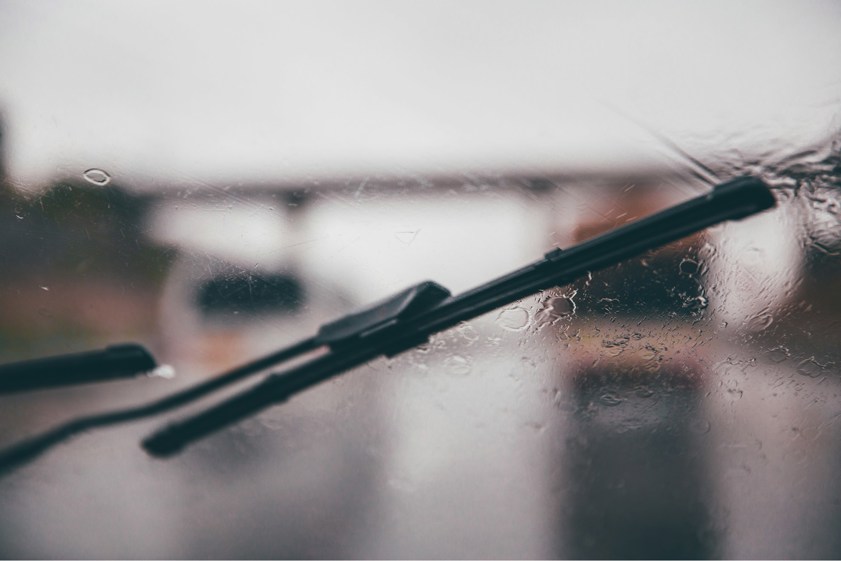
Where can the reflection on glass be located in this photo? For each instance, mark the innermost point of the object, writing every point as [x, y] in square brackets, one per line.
[637, 477]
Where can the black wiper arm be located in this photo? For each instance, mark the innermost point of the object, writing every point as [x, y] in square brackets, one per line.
[30, 448]
[113, 362]
[409, 318]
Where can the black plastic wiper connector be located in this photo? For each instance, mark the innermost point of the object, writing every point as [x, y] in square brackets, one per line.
[387, 314]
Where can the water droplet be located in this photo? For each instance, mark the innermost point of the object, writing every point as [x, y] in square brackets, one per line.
[778, 354]
[688, 266]
[558, 307]
[734, 392]
[614, 347]
[649, 352]
[164, 371]
[608, 304]
[513, 319]
[97, 176]
[610, 399]
[458, 365]
[644, 392]
[760, 322]
[468, 332]
[811, 368]
[493, 341]
[406, 237]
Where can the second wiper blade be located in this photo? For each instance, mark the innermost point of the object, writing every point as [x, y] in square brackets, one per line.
[112, 363]
[410, 317]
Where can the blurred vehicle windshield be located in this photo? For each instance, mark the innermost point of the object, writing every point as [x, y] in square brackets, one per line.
[214, 180]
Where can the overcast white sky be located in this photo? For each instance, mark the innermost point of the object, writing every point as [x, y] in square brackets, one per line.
[260, 90]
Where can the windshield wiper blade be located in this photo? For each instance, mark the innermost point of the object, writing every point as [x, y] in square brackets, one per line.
[410, 317]
[30, 448]
[114, 362]
[403, 321]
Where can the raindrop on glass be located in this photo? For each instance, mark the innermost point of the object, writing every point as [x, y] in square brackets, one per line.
[610, 400]
[614, 347]
[164, 371]
[648, 352]
[513, 319]
[760, 322]
[458, 365]
[811, 368]
[406, 237]
[688, 266]
[644, 392]
[468, 332]
[778, 354]
[558, 308]
[96, 176]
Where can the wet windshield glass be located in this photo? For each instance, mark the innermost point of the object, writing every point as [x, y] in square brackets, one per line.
[215, 181]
